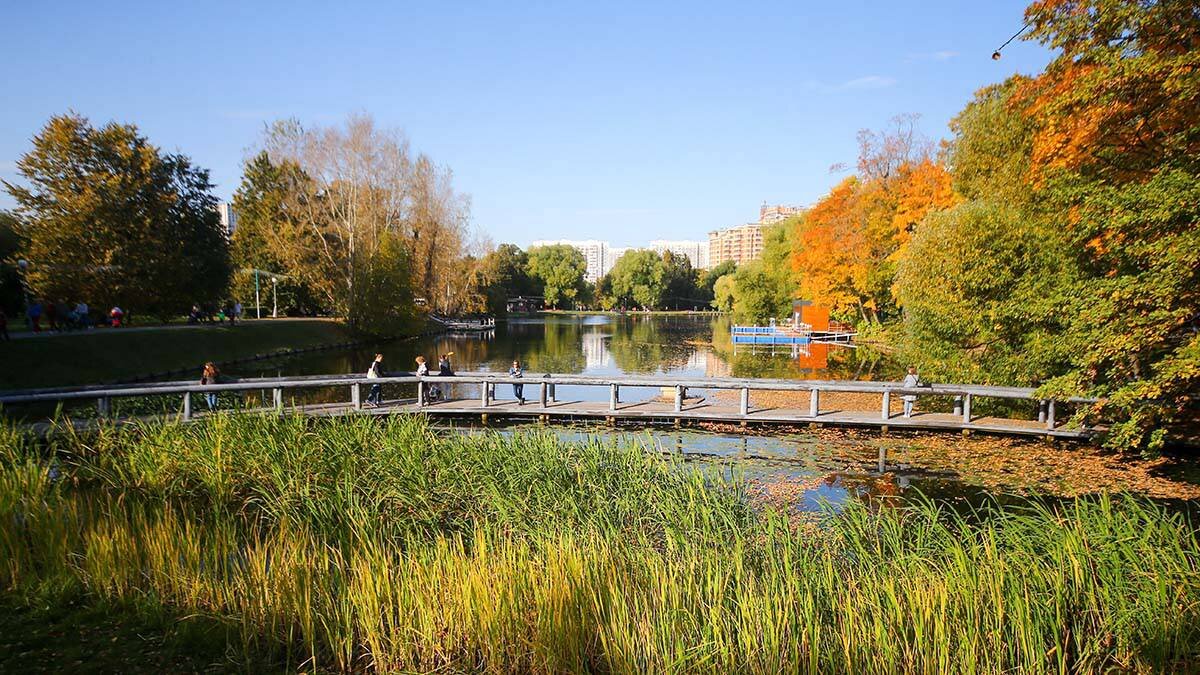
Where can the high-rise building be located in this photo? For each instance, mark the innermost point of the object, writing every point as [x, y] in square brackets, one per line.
[228, 218]
[696, 251]
[769, 215]
[599, 256]
[740, 244]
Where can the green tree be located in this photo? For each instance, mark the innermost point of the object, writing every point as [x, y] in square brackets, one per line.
[111, 219]
[639, 279]
[681, 281]
[765, 288]
[264, 225]
[506, 275]
[724, 292]
[708, 279]
[559, 269]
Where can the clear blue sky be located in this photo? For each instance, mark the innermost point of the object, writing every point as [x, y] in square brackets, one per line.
[626, 122]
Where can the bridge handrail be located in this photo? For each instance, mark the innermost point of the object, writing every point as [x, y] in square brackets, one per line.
[655, 381]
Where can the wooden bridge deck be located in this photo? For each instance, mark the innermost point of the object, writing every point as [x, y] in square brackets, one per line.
[706, 411]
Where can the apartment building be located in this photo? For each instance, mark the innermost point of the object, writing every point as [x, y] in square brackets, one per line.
[696, 251]
[740, 244]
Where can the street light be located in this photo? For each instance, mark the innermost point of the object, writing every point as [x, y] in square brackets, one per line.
[996, 54]
[274, 298]
[24, 265]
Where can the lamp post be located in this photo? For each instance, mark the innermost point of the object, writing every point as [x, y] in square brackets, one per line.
[257, 304]
[274, 298]
[23, 264]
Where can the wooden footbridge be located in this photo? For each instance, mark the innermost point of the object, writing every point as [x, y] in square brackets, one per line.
[474, 395]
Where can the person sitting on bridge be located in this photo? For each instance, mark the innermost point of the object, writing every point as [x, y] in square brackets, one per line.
[911, 381]
[375, 397]
[432, 393]
[518, 389]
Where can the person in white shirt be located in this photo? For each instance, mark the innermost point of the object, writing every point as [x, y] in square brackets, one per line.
[910, 381]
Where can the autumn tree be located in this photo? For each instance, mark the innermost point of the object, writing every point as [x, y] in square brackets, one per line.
[559, 269]
[108, 218]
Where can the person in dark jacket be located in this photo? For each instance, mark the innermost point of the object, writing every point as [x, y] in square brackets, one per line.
[210, 376]
[518, 389]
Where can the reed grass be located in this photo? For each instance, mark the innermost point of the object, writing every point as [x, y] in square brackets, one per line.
[363, 544]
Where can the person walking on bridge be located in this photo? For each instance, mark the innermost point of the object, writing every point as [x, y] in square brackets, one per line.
[911, 381]
[374, 373]
[210, 376]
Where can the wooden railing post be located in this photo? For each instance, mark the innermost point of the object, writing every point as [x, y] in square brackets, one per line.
[542, 394]
[957, 406]
[966, 409]
[1041, 410]
[421, 393]
[187, 406]
[1050, 415]
[277, 394]
[887, 404]
[356, 396]
[103, 406]
[613, 397]
[552, 392]
[745, 403]
[814, 403]
[483, 395]
[678, 398]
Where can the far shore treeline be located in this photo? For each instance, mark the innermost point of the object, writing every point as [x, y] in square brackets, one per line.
[1051, 240]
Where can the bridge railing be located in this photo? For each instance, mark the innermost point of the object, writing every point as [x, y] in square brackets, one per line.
[963, 394]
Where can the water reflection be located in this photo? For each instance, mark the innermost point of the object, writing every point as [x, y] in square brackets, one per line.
[600, 344]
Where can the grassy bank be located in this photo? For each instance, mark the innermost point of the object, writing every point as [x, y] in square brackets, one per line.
[104, 355]
[361, 543]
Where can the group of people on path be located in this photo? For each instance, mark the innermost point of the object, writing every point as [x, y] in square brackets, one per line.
[61, 316]
[205, 314]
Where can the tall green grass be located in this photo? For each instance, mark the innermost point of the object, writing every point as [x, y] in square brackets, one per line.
[367, 544]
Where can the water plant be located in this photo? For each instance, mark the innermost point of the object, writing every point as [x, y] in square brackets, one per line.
[389, 545]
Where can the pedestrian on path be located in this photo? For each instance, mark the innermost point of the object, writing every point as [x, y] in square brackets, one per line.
[518, 389]
[375, 397]
[210, 376]
[34, 314]
[81, 314]
[911, 381]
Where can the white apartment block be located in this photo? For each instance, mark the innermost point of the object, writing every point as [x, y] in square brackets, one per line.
[600, 257]
[228, 218]
[696, 251]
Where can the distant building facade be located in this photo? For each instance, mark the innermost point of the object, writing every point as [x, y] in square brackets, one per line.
[696, 251]
[769, 215]
[228, 218]
[741, 244]
[599, 256]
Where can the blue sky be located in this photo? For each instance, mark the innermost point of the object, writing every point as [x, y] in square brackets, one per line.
[627, 122]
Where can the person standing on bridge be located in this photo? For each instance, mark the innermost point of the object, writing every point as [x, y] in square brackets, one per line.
[518, 389]
[210, 376]
[374, 373]
[911, 381]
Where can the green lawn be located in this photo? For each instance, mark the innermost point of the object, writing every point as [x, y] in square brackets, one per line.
[105, 355]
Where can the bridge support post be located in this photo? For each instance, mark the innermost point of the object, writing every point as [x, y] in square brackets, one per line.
[678, 401]
[886, 413]
[814, 403]
[745, 403]
[356, 395]
[882, 458]
[966, 409]
[1050, 415]
[187, 406]
[613, 396]
[542, 394]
